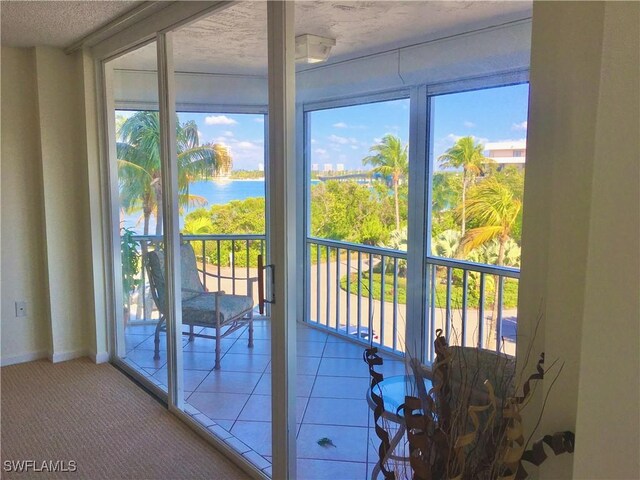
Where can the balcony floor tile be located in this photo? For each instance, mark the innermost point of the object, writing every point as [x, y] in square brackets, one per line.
[340, 387]
[350, 443]
[337, 411]
[331, 470]
[224, 381]
[331, 386]
[223, 406]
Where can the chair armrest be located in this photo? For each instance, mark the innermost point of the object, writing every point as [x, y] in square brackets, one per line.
[219, 293]
[189, 290]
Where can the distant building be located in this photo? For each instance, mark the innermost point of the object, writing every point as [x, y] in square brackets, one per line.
[339, 167]
[261, 167]
[507, 153]
[327, 167]
[315, 167]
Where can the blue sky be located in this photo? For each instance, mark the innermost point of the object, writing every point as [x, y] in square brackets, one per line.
[491, 115]
[344, 135]
[243, 134]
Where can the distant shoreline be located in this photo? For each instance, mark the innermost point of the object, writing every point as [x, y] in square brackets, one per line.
[230, 179]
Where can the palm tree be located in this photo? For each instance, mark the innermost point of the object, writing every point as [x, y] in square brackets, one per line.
[465, 154]
[391, 160]
[139, 171]
[496, 207]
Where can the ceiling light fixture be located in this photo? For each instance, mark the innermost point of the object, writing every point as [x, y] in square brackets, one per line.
[312, 48]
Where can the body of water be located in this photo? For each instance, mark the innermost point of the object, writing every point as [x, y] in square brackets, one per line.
[219, 193]
[215, 193]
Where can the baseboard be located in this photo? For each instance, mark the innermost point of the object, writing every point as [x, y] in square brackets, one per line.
[65, 356]
[101, 357]
[24, 357]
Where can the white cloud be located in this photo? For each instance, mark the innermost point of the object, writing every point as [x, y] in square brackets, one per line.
[313, 140]
[228, 133]
[354, 147]
[320, 151]
[340, 125]
[338, 139]
[519, 126]
[377, 140]
[221, 141]
[468, 124]
[453, 138]
[259, 120]
[246, 145]
[342, 140]
[219, 120]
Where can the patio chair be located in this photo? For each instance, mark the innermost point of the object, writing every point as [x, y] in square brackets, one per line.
[200, 308]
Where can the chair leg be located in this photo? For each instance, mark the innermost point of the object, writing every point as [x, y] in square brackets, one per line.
[251, 329]
[156, 340]
[218, 335]
[217, 364]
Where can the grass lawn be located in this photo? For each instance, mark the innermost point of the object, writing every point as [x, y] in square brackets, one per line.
[510, 296]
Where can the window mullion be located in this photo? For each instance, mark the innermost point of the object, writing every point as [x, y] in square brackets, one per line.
[418, 225]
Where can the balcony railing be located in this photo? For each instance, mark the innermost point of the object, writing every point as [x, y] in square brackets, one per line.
[359, 291]
[467, 301]
[224, 262]
[346, 293]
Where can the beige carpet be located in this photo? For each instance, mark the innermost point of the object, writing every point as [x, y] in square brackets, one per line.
[96, 416]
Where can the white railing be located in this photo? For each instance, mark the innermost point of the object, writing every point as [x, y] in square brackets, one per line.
[224, 262]
[359, 291]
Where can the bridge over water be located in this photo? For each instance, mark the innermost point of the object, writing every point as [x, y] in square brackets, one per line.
[362, 178]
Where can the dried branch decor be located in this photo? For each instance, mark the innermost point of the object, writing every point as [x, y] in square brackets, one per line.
[468, 425]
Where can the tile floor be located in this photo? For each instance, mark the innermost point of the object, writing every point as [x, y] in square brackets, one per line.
[235, 403]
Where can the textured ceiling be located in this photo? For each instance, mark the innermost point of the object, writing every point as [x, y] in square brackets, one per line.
[55, 23]
[234, 41]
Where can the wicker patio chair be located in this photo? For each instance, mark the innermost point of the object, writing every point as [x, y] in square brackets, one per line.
[200, 308]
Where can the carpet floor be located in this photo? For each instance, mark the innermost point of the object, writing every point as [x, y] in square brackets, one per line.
[97, 417]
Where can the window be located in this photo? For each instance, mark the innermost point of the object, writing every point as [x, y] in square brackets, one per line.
[359, 172]
[476, 215]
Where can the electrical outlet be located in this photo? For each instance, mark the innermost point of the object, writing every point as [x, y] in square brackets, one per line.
[21, 309]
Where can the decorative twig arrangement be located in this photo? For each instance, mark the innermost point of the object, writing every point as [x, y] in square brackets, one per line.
[469, 424]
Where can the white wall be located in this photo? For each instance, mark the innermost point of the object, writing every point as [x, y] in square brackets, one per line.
[608, 419]
[46, 232]
[97, 329]
[23, 265]
[65, 199]
[580, 257]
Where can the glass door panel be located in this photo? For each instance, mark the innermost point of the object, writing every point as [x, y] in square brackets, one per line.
[221, 99]
[137, 190]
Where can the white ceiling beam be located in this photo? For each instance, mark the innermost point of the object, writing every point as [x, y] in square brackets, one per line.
[116, 25]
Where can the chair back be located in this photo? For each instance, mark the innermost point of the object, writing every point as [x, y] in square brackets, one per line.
[190, 277]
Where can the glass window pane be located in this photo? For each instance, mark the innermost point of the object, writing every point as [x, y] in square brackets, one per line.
[141, 337]
[479, 157]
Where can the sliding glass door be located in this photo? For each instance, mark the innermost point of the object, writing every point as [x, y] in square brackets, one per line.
[137, 191]
[188, 174]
